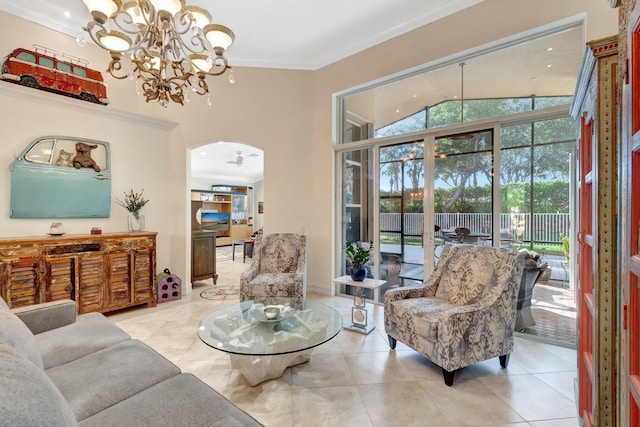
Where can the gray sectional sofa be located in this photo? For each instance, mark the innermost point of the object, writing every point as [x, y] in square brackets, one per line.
[59, 369]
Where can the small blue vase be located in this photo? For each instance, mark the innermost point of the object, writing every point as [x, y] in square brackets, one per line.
[358, 274]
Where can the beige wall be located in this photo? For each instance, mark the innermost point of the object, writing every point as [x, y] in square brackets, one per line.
[266, 108]
[288, 114]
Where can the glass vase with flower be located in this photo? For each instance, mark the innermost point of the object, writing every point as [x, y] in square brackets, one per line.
[134, 202]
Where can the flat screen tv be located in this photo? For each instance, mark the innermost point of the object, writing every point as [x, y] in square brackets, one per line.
[215, 221]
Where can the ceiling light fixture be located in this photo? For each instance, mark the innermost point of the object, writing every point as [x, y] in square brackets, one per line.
[171, 47]
[464, 136]
[462, 92]
[413, 153]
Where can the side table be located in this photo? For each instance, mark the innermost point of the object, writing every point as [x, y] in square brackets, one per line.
[359, 315]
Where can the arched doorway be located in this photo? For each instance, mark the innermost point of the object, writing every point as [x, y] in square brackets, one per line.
[225, 185]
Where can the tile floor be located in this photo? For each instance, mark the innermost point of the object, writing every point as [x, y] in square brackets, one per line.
[356, 380]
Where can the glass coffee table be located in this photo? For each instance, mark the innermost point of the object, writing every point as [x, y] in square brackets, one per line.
[262, 348]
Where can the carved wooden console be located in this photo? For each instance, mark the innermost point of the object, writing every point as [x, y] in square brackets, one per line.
[102, 272]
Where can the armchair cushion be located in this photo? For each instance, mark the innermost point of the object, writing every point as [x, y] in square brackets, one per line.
[420, 314]
[467, 281]
[278, 258]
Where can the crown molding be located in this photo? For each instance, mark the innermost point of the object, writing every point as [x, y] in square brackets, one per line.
[55, 100]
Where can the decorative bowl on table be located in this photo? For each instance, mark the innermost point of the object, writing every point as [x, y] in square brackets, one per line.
[271, 313]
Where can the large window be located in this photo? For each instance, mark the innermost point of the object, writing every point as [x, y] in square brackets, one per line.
[535, 182]
[527, 74]
[464, 144]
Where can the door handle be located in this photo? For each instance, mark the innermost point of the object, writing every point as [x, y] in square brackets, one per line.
[101, 177]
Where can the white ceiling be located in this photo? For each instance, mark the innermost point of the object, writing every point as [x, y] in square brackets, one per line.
[211, 163]
[304, 35]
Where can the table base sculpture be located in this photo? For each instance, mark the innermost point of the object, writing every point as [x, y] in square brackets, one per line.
[258, 369]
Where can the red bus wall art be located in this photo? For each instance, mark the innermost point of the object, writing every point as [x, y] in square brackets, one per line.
[49, 70]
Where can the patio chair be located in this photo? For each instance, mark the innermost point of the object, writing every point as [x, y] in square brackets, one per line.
[524, 317]
[465, 312]
[278, 268]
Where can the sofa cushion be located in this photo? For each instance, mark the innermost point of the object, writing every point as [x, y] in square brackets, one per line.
[89, 333]
[15, 333]
[186, 401]
[99, 380]
[467, 280]
[27, 395]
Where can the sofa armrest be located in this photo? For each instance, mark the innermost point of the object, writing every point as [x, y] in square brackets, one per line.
[47, 316]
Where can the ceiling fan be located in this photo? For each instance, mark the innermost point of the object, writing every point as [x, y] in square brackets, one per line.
[240, 159]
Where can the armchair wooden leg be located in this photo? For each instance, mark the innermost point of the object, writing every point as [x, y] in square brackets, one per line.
[392, 342]
[504, 360]
[448, 376]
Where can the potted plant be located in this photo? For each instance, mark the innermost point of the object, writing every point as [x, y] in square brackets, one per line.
[133, 202]
[565, 245]
[358, 253]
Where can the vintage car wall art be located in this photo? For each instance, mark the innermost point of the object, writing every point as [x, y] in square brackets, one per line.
[61, 177]
[49, 70]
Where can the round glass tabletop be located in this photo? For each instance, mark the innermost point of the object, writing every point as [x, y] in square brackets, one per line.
[245, 329]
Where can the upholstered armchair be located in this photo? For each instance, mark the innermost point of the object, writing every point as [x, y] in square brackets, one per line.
[466, 311]
[278, 268]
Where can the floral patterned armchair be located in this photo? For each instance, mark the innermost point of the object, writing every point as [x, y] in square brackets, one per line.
[466, 311]
[278, 268]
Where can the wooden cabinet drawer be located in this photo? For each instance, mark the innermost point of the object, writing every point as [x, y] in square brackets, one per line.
[17, 251]
[130, 244]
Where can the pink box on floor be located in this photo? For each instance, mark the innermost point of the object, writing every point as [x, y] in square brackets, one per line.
[169, 287]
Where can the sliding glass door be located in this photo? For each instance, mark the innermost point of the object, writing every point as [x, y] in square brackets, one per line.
[463, 187]
[401, 201]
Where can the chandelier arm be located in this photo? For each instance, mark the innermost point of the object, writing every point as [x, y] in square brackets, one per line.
[202, 88]
[163, 49]
[197, 43]
[115, 66]
[220, 65]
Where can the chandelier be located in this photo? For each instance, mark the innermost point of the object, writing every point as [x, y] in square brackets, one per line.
[170, 47]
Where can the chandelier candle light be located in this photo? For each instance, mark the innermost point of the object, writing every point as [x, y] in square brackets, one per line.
[172, 47]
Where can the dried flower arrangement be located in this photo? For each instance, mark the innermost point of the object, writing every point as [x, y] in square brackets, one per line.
[133, 202]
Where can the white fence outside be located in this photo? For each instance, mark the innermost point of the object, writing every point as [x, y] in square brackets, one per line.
[546, 227]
